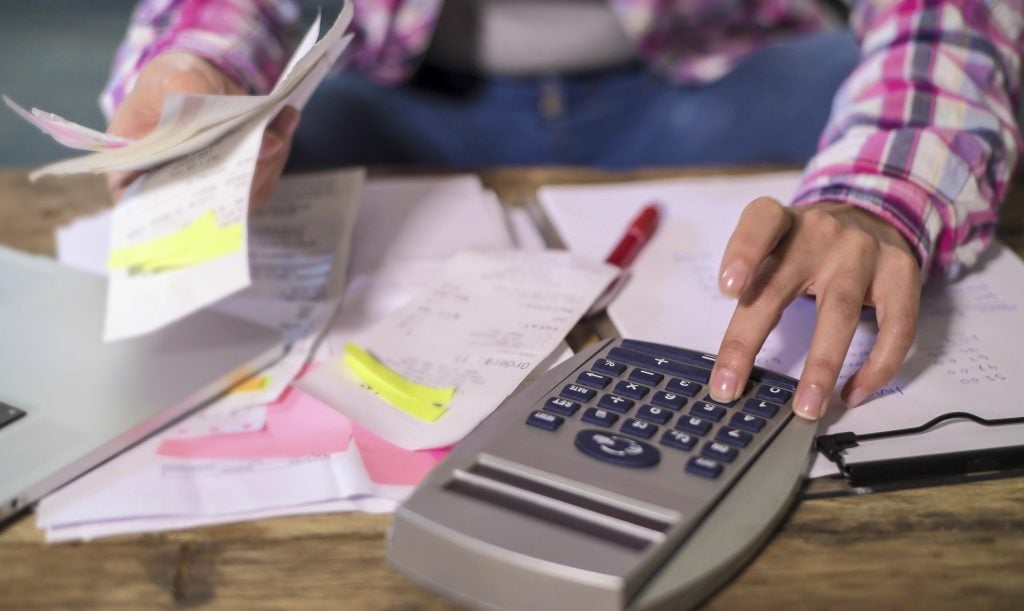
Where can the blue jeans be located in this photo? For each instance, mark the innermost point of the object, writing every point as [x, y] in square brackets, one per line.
[771, 108]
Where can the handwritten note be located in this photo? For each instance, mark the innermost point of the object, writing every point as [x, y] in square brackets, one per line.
[481, 327]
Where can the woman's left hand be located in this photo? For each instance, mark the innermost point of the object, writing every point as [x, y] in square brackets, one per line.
[844, 257]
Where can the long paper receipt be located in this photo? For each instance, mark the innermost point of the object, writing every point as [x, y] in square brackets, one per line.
[480, 328]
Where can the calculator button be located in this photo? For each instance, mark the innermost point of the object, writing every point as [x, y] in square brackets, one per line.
[693, 371]
[747, 422]
[610, 367]
[561, 406]
[678, 439]
[708, 410]
[703, 466]
[719, 451]
[772, 379]
[734, 437]
[761, 408]
[670, 400]
[640, 428]
[544, 420]
[687, 388]
[615, 403]
[686, 355]
[710, 399]
[617, 449]
[651, 378]
[657, 415]
[578, 393]
[631, 389]
[694, 425]
[775, 394]
[602, 417]
[593, 380]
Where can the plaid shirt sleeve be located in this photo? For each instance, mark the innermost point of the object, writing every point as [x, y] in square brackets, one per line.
[923, 133]
[250, 40]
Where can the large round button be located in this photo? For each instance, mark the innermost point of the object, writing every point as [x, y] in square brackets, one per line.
[617, 449]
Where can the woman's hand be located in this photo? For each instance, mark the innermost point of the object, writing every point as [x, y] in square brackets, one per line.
[845, 258]
[140, 111]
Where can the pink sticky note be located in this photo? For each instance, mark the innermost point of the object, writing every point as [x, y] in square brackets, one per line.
[296, 425]
[389, 464]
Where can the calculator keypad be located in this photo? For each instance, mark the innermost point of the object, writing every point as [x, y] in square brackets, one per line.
[644, 396]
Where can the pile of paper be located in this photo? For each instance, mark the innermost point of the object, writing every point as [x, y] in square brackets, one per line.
[266, 454]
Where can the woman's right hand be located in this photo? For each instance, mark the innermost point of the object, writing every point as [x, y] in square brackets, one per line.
[140, 112]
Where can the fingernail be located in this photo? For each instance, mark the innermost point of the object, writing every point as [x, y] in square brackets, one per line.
[723, 384]
[271, 146]
[856, 397]
[810, 402]
[733, 279]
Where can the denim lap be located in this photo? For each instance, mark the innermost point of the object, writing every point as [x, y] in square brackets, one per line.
[770, 109]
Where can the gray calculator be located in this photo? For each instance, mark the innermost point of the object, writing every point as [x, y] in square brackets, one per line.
[612, 482]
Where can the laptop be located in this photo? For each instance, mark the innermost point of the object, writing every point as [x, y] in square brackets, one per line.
[69, 401]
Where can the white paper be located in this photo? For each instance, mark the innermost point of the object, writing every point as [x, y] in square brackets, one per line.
[142, 490]
[964, 359]
[221, 418]
[300, 243]
[298, 251]
[95, 530]
[481, 327]
[68, 133]
[214, 181]
[415, 218]
[408, 228]
[142, 484]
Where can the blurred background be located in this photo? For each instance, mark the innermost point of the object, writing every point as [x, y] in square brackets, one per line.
[55, 55]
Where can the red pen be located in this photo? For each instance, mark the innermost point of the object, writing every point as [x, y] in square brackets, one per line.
[638, 233]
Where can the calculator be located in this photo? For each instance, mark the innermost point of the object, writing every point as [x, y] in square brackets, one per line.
[614, 481]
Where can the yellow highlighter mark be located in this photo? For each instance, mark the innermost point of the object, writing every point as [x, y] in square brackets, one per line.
[201, 240]
[428, 403]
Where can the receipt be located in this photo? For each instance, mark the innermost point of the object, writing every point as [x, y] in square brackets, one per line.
[190, 122]
[489, 320]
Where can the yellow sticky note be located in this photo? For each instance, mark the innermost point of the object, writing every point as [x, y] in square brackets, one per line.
[252, 384]
[427, 403]
[199, 241]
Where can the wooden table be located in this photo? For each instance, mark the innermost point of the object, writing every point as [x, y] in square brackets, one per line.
[953, 546]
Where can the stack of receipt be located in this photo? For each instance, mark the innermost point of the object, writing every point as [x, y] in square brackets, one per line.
[179, 236]
[264, 452]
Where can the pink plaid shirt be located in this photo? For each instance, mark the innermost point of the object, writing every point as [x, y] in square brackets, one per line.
[923, 133]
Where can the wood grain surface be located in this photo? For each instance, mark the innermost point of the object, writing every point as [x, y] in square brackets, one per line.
[941, 547]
